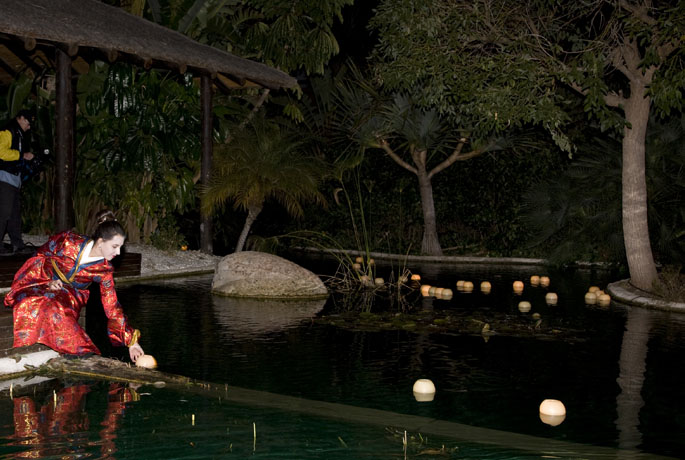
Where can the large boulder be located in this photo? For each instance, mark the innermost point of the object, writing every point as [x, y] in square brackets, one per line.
[266, 276]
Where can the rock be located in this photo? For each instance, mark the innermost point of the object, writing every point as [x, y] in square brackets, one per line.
[261, 275]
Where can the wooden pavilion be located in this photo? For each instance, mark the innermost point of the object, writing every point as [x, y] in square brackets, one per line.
[66, 35]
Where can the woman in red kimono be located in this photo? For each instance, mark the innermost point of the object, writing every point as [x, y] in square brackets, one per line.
[50, 289]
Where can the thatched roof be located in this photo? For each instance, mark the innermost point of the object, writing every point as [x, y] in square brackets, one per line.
[78, 24]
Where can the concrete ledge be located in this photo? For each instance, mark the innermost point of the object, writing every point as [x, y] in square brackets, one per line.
[624, 292]
[24, 360]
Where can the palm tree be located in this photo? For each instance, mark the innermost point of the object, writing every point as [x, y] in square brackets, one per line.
[263, 161]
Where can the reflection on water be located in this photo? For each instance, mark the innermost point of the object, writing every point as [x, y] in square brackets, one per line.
[60, 425]
[65, 420]
[616, 370]
[253, 317]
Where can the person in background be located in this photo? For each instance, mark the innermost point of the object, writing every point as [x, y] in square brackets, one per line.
[51, 288]
[14, 151]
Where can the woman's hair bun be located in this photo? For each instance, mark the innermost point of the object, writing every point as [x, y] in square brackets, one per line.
[105, 216]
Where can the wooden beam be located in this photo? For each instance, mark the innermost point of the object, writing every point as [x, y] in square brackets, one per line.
[29, 43]
[23, 57]
[72, 49]
[64, 143]
[112, 54]
[206, 230]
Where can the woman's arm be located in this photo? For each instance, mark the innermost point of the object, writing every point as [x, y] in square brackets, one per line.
[119, 331]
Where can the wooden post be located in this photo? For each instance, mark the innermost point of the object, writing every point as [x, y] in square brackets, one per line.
[64, 144]
[206, 230]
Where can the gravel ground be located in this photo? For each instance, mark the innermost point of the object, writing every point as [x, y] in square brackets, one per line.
[156, 261]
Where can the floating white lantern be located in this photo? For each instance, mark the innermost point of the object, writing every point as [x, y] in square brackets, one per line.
[468, 286]
[552, 420]
[544, 281]
[590, 298]
[446, 293]
[424, 390]
[371, 261]
[485, 287]
[146, 361]
[552, 407]
[424, 289]
[604, 300]
[518, 287]
[534, 280]
[438, 291]
[379, 281]
[551, 298]
[524, 306]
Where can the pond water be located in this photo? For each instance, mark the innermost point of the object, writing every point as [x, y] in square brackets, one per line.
[617, 370]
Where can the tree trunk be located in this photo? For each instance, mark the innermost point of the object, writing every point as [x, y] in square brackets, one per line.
[635, 229]
[632, 365]
[252, 213]
[429, 244]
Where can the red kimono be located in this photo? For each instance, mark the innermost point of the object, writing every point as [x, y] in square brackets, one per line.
[51, 317]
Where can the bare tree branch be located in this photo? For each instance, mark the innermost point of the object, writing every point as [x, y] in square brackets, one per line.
[455, 156]
[396, 158]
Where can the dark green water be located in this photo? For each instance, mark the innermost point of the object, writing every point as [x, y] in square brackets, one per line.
[617, 370]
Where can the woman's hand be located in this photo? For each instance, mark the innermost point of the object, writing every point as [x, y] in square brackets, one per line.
[55, 285]
[135, 351]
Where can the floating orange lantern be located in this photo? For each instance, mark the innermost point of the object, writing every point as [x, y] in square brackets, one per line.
[518, 287]
[485, 287]
[604, 300]
[534, 280]
[544, 281]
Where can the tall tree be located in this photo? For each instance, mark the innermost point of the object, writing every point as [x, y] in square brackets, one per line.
[500, 64]
[263, 162]
[416, 139]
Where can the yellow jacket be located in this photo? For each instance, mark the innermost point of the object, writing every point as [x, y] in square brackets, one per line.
[7, 153]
